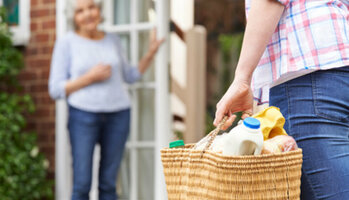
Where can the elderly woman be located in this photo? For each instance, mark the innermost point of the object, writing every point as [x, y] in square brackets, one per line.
[88, 69]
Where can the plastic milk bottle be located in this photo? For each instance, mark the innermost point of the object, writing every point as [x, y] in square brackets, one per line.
[244, 139]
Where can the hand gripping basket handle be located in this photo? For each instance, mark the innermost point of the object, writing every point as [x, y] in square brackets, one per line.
[212, 135]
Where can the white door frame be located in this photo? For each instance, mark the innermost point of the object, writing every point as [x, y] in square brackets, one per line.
[162, 102]
[63, 172]
[162, 113]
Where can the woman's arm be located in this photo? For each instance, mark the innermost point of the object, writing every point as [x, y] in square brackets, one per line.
[262, 21]
[103, 72]
[144, 63]
[59, 71]
[132, 74]
[97, 74]
[60, 85]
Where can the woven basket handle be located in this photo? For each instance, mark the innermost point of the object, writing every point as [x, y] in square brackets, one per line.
[212, 135]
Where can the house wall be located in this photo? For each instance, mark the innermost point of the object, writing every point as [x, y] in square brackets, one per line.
[34, 77]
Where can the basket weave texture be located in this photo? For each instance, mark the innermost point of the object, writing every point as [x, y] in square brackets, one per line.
[191, 174]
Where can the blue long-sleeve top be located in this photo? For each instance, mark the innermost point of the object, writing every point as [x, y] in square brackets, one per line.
[74, 55]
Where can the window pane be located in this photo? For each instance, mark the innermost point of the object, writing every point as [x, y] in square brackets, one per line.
[146, 96]
[146, 129]
[125, 42]
[123, 182]
[144, 9]
[12, 7]
[122, 11]
[149, 75]
[146, 174]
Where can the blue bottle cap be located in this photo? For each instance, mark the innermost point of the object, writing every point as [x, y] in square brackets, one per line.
[252, 123]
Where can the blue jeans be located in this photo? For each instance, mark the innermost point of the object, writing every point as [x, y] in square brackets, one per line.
[86, 129]
[316, 109]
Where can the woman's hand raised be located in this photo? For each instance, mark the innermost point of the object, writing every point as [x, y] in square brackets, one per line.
[154, 46]
[155, 43]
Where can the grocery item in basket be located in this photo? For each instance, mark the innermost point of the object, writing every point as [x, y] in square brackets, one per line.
[272, 122]
[280, 143]
[177, 144]
[244, 139]
[270, 147]
[202, 143]
[217, 144]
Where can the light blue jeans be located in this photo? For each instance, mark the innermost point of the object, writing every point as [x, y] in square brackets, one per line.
[316, 108]
[86, 129]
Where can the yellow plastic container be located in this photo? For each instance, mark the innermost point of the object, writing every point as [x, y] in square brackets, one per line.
[272, 122]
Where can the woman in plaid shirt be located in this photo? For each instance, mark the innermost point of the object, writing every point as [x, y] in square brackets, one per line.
[294, 56]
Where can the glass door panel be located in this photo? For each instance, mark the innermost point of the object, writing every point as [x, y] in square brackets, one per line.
[146, 127]
[123, 181]
[144, 36]
[144, 7]
[122, 11]
[126, 44]
[146, 174]
[136, 176]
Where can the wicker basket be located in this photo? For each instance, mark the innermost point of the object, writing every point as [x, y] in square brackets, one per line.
[194, 174]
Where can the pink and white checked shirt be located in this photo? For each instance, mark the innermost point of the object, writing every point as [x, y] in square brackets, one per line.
[311, 35]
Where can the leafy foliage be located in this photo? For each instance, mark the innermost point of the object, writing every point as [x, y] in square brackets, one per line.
[11, 61]
[230, 47]
[22, 167]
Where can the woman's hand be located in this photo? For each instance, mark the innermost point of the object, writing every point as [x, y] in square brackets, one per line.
[99, 73]
[154, 42]
[263, 19]
[237, 98]
[154, 46]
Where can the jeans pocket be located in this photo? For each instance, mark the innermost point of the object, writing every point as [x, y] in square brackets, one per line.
[330, 92]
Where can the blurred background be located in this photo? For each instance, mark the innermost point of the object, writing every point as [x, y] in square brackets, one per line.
[175, 99]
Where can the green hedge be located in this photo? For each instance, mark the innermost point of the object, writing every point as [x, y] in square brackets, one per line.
[23, 169]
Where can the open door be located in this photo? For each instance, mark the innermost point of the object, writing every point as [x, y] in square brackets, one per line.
[141, 175]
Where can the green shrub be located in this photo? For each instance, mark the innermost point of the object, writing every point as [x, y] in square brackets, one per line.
[229, 47]
[23, 168]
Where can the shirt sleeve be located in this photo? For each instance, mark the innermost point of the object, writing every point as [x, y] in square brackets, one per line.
[59, 73]
[130, 72]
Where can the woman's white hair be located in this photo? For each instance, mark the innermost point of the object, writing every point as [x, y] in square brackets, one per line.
[70, 11]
